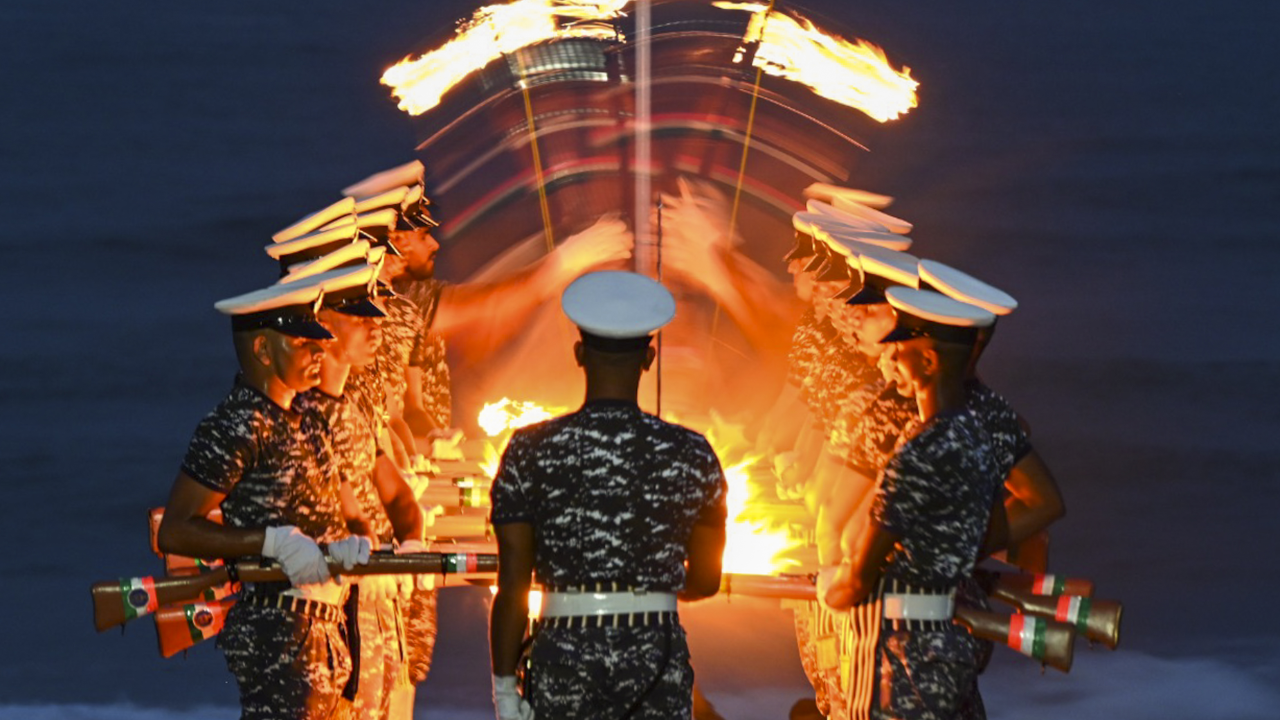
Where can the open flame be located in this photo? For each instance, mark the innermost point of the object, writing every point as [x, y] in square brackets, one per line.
[854, 74]
[857, 75]
[507, 414]
[494, 31]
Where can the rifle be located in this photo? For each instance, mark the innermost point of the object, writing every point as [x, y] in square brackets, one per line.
[1099, 620]
[116, 602]
[1033, 584]
[1049, 641]
[179, 627]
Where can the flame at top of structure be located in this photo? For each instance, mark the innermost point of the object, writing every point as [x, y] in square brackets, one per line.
[854, 74]
[494, 31]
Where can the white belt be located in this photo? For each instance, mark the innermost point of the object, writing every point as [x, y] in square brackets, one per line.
[576, 604]
[900, 606]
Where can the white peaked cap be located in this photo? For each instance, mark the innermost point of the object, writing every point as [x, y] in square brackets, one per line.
[332, 281]
[317, 220]
[399, 176]
[326, 236]
[827, 193]
[343, 256]
[896, 225]
[900, 267]
[828, 215]
[866, 237]
[393, 198]
[616, 304]
[385, 217]
[964, 287]
[937, 308]
[272, 297]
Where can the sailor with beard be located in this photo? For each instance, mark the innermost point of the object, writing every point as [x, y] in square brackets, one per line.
[385, 505]
[270, 470]
[925, 525]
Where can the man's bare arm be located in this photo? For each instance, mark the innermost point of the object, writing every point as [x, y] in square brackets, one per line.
[398, 500]
[510, 612]
[1034, 500]
[186, 531]
[706, 554]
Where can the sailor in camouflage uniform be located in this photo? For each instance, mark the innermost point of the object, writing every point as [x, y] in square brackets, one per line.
[603, 507]
[270, 470]
[927, 521]
[386, 505]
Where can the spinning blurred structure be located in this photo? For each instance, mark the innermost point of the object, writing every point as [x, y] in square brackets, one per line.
[534, 103]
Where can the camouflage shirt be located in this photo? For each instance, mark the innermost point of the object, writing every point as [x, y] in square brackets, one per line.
[274, 466]
[845, 378]
[428, 350]
[613, 494]
[355, 451]
[806, 344]
[1011, 441]
[865, 437]
[936, 494]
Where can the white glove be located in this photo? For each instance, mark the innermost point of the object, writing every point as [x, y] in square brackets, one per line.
[299, 555]
[351, 551]
[507, 701]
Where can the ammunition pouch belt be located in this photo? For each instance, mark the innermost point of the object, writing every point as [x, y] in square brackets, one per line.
[908, 607]
[581, 609]
[294, 604]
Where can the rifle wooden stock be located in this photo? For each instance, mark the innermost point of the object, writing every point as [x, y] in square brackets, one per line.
[116, 602]
[1099, 620]
[179, 627]
[1048, 641]
[1030, 584]
[452, 496]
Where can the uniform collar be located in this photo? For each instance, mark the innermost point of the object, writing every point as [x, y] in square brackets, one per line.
[603, 403]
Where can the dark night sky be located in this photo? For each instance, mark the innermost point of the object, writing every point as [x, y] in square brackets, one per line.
[1114, 165]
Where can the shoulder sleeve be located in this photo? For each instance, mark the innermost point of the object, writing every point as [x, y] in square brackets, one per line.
[715, 507]
[903, 491]
[507, 496]
[219, 452]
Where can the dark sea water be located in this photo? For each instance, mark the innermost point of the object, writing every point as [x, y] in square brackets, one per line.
[1114, 165]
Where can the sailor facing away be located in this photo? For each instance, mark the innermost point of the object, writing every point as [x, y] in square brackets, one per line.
[616, 513]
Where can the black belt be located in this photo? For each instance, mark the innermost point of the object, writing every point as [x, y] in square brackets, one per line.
[294, 604]
[640, 619]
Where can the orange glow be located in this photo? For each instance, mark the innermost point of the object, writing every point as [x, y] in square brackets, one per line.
[753, 546]
[854, 74]
[507, 414]
[494, 31]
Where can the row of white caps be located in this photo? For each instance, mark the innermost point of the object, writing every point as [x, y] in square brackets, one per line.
[849, 237]
[328, 257]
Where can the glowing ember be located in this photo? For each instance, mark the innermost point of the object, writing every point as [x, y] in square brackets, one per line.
[492, 32]
[506, 414]
[857, 75]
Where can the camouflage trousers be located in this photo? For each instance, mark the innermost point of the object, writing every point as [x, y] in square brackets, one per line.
[927, 675]
[289, 666]
[809, 623]
[420, 632]
[382, 656]
[641, 673]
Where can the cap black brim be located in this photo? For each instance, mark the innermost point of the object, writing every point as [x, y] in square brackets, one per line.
[360, 308]
[305, 329]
